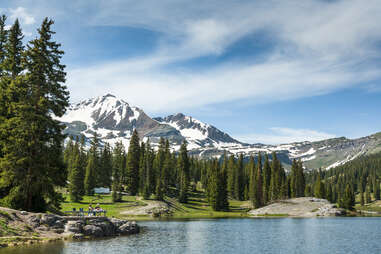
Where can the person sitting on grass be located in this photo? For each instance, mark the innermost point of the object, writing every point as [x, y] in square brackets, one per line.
[98, 209]
[91, 210]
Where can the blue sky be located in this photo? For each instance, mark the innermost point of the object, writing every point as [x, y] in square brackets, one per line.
[263, 71]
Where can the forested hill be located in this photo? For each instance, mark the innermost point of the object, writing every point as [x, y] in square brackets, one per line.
[361, 175]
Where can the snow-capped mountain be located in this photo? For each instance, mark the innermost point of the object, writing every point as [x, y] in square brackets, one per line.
[114, 120]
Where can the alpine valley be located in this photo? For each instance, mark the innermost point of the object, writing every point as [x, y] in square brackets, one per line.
[114, 120]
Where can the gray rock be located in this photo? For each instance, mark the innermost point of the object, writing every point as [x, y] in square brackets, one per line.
[74, 227]
[108, 228]
[78, 236]
[117, 223]
[92, 230]
[24, 213]
[33, 221]
[49, 219]
[128, 228]
[42, 228]
[58, 230]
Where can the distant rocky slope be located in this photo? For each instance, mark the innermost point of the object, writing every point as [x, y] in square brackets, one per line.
[114, 120]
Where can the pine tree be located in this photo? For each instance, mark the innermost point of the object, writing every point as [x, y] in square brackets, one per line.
[142, 168]
[231, 175]
[266, 180]
[118, 167]
[75, 179]
[183, 168]
[319, 190]
[31, 139]
[223, 201]
[90, 177]
[14, 51]
[377, 190]
[368, 199]
[133, 164]
[167, 166]
[275, 180]
[3, 40]
[238, 184]
[329, 194]
[362, 200]
[159, 192]
[105, 167]
[252, 181]
[92, 167]
[347, 200]
[258, 194]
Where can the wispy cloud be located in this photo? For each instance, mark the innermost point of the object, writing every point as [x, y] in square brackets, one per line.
[23, 15]
[321, 46]
[281, 135]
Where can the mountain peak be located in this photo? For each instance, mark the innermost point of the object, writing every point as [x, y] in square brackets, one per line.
[109, 95]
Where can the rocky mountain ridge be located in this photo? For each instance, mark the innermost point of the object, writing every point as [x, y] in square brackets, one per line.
[114, 120]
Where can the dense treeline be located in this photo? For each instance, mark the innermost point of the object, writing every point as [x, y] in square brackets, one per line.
[32, 92]
[156, 174]
[341, 184]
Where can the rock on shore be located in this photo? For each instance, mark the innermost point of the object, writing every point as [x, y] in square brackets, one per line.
[23, 224]
[299, 207]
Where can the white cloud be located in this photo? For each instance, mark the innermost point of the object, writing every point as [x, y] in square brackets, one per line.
[281, 135]
[23, 15]
[319, 47]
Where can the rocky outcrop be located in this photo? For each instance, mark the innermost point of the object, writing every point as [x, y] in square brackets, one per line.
[299, 207]
[96, 226]
[330, 210]
[47, 226]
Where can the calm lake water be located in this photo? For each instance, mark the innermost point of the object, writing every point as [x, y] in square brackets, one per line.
[283, 235]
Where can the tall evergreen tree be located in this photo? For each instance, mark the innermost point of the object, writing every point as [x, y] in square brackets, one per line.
[3, 40]
[118, 167]
[33, 138]
[14, 51]
[368, 199]
[275, 177]
[252, 180]
[231, 175]
[266, 179]
[183, 168]
[319, 190]
[258, 191]
[239, 177]
[133, 164]
[347, 200]
[105, 167]
[376, 190]
[75, 178]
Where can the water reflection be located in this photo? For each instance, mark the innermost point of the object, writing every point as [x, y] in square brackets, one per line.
[312, 236]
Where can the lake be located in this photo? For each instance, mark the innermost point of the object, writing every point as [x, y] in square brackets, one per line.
[270, 235]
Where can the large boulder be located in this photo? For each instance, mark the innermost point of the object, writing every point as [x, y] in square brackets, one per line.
[33, 221]
[74, 226]
[128, 228]
[49, 219]
[92, 230]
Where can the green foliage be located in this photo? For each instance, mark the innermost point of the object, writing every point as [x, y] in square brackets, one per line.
[347, 200]
[32, 92]
[297, 179]
[118, 167]
[319, 190]
[133, 159]
[183, 169]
